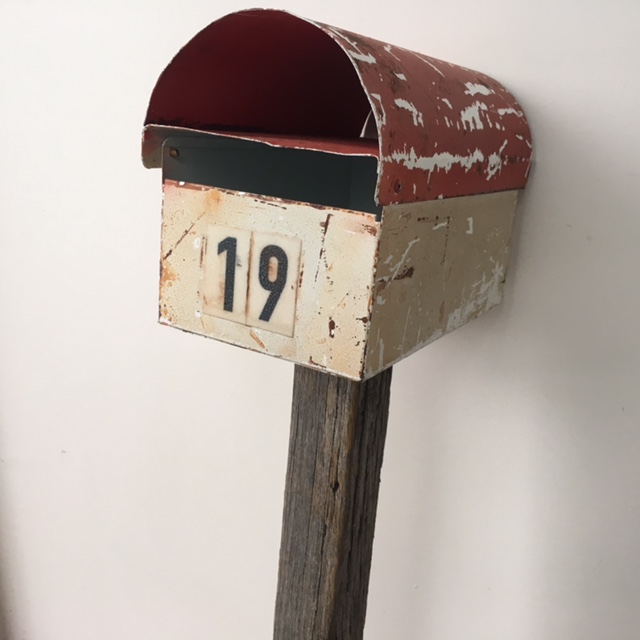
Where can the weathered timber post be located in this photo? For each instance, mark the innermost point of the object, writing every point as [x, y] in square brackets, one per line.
[338, 430]
[340, 203]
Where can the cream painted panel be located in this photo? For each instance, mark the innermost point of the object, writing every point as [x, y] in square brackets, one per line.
[334, 273]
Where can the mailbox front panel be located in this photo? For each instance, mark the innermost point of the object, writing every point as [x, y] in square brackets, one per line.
[284, 278]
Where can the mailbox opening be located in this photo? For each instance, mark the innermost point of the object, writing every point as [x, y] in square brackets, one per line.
[324, 179]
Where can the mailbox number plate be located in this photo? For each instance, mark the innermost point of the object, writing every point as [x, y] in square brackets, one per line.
[251, 278]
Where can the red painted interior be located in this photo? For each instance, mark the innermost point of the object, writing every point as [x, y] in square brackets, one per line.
[239, 74]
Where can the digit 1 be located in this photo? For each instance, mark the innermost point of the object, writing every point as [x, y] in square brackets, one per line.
[229, 245]
[276, 287]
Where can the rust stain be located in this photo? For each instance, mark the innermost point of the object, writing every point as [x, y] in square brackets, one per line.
[184, 235]
[446, 241]
[249, 272]
[213, 197]
[203, 251]
[407, 273]
[319, 207]
[325, 224]
[371, 229]
[332, 328]
[257, 340]
[320, 256]
[364, 319]
[316, 364]
[270, 203]
[167, 276]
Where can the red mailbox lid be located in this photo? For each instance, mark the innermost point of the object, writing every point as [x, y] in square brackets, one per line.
[438, 130]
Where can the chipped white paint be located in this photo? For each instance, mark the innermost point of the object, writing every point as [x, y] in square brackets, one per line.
[444, 160]
[417, 116]
[443, 281]
[510, 111]
[401, 76]
[396, 268]
[494, 164]
[471, 116]
[380, 107]
[197, 243]
[389, 49]
[474, 88]
[447, 102]
[485, 293]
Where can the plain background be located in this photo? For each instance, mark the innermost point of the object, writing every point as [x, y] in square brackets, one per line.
[142, 469]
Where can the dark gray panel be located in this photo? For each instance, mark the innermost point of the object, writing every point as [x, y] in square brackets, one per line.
[347, 182]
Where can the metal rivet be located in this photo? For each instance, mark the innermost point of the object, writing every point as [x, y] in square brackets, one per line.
[173, 152]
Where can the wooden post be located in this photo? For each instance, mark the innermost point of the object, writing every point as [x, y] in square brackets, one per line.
[338, 430]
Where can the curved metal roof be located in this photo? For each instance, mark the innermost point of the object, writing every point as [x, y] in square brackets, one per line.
[441, 130]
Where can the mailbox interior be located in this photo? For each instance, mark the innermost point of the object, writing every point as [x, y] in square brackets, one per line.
[318, 178]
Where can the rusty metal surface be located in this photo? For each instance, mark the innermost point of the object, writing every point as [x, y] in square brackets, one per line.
[443, 130]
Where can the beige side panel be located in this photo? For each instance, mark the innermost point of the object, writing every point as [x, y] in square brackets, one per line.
[441, 264]
[333, 254]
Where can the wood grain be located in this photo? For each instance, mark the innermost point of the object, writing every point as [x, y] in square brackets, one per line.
[338, 430]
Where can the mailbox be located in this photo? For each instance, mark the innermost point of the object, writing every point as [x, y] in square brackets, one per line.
[328, 198]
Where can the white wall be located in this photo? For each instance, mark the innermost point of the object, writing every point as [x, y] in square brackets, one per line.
[141, 469]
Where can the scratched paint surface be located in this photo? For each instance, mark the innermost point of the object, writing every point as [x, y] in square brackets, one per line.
[441, 264]
[443, 130]
[368, 294]
[335, 278]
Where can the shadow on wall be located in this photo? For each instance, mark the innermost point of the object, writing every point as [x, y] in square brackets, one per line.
[514, 442]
